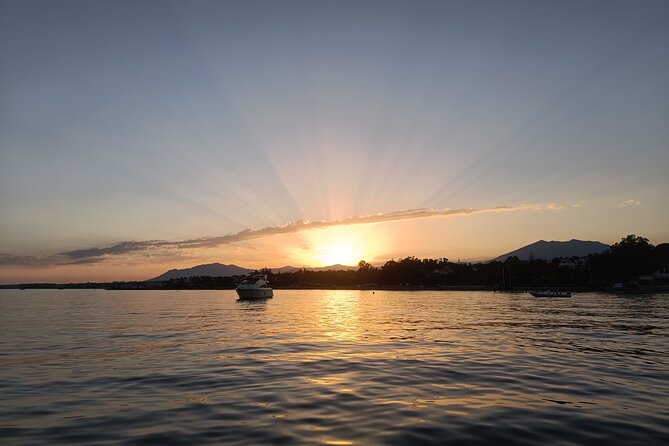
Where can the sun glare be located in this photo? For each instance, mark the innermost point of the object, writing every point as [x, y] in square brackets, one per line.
[339, 253]
[346, 245]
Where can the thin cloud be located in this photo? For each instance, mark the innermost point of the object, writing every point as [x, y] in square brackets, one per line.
[303, 225]
[628, 203]
[102, 254]
[26, 260]
[116, 249]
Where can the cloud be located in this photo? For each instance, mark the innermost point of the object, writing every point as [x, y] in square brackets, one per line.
[102, 254]
[303, 225]
[628, 203]
[82, 255]
[26, 260]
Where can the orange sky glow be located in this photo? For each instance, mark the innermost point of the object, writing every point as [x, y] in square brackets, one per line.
[465, 237]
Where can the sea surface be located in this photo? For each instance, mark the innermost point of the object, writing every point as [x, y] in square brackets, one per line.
[332, 367]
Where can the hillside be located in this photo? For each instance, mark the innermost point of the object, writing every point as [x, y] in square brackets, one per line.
[212, 270]
[549, 250]
[221, 270]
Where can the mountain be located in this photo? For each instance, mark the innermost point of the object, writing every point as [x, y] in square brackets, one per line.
[220, 270]
[336, 267]
[285, 269]
[549, 250]
[212, 269]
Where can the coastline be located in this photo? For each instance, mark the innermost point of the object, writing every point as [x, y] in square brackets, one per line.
[661, 289]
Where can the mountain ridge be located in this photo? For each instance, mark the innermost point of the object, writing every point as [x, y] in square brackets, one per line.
[223, 270]
[209, 269]
[548, 250]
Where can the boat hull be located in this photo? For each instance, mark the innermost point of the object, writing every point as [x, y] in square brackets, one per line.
[255, 293]
[551, 294]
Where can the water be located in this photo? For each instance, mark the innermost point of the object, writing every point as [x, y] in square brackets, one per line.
[332, 367]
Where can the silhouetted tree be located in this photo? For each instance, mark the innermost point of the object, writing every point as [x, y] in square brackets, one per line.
[632, 256]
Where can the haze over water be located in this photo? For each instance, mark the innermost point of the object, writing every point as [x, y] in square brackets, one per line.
[332, 367]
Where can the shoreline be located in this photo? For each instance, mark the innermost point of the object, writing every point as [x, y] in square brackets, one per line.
[522, 289]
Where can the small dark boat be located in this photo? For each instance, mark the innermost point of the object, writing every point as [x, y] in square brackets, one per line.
[548, 293]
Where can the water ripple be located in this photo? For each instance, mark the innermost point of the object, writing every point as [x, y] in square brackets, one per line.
[332, 367]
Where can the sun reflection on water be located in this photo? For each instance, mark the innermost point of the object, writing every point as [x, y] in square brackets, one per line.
[339, 316]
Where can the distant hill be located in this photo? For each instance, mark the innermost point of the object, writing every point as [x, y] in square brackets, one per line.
[212, 270]
[336, 267]
[220, 270]
[549, 250]
[285, 269]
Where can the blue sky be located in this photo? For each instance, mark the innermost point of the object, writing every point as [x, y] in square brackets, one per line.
[145, 120]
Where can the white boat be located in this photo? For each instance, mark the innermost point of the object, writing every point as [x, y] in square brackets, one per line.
[549, 293]
[255, 287]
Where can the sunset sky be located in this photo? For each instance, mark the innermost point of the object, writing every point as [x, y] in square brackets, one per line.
[139, 136]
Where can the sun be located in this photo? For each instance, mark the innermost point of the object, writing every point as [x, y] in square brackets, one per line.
[339, 254]
[345, 245]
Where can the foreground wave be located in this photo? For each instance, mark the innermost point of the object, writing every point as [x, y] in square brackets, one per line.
[332, 367]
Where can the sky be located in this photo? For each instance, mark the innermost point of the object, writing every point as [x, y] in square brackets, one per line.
[139, 136]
